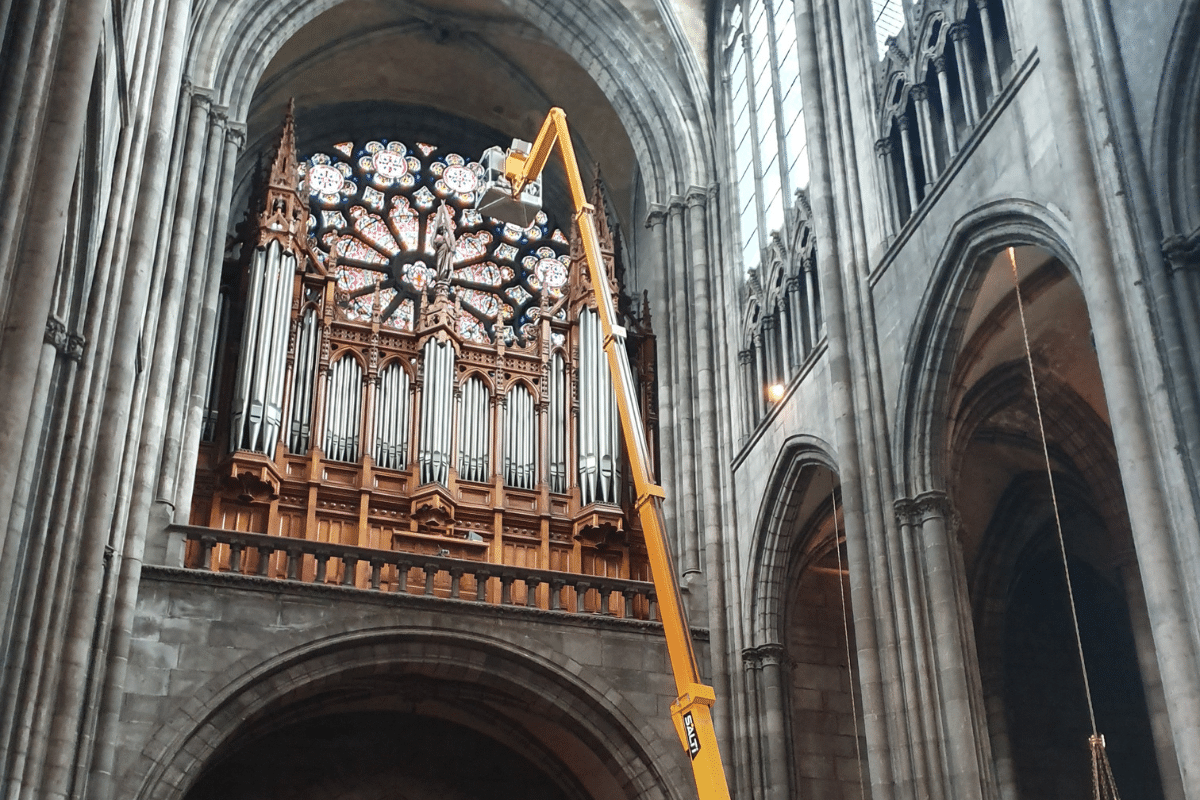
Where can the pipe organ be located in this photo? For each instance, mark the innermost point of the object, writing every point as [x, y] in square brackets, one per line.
[397, 371]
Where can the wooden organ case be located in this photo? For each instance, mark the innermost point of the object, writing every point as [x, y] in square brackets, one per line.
[362, 394]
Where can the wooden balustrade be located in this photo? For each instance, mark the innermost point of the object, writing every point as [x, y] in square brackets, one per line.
[369, 569]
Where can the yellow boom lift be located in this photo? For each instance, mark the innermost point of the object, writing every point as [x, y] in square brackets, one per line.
[513, 193]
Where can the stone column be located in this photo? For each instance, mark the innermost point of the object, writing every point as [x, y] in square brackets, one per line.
[819, 126]
[751, 666]
[1162, 544]
[778, 760]
[799, 315]
[920, 96]
[910, 175]
[959, 36]
[949, 648]
[656, 223]
[683, 413]
[989, 46]
[746, 376]
[42, 234]
[939, 66]
[883, 149]
[209, 252]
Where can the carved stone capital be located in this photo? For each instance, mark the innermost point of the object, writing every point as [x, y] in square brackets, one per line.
[1182, 252]
[902, 122]
[883, 147]
[745, 357]
[235, 133]
[772, 654]
[958, 32]
[696, 197]
[69, 345]
[939, 63]
[919, 92]
[906, 511]
[657, 215]
[750, 658]
[933, 505]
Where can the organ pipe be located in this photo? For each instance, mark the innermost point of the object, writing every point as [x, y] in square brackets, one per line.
[343, 413]
[305, 369]
[392, 418]
[436, 411]
[258, 392]
[474, 432]
[557, 425]
[520, 441]
[599, 432]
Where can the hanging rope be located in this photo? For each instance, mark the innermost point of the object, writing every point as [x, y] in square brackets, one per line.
[1103, 785]
[837, 548]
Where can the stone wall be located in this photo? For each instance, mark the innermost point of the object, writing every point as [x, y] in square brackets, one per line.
[214, 654]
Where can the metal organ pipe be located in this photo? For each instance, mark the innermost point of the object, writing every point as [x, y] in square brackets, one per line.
[391, 418]
[343, 415]
[520, 439]
[258, 391]
[302, 386]
[474, 429]
[557, 425]
[436, 412]
[599, 434]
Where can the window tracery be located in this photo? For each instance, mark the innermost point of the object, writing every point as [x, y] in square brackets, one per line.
[374, 206]
[940, 70]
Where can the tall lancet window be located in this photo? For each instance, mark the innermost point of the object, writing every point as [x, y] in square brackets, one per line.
[766, 113]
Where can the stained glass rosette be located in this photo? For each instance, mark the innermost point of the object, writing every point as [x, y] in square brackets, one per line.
[375, 205]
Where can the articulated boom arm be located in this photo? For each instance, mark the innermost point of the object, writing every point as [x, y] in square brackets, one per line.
[693, 719]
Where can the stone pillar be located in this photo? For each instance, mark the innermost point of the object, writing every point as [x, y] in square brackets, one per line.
[920, 96]
[751, 666]
[778, 760]
[939, 66]
[949, 649]
[910, 175]
[656, 223]
[959, 36]
[989, 46]
[746, 373]
[683, 413]
[1165, 547]
[43, 230]
[800, 343]
[883, 149]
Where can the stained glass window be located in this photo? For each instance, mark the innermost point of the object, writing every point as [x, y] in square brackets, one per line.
[374, 204]
[767, 114]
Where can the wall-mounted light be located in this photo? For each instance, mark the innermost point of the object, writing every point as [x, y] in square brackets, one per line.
[775, 392]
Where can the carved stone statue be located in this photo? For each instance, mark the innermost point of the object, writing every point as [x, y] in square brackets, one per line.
[443, 243]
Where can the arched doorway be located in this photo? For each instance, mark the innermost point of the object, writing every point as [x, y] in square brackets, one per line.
[1031, 680]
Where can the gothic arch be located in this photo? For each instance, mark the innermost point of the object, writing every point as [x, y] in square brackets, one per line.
[665, 116]
[776, 528]
[539, 681]
[1175, 150]
[921, 452]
